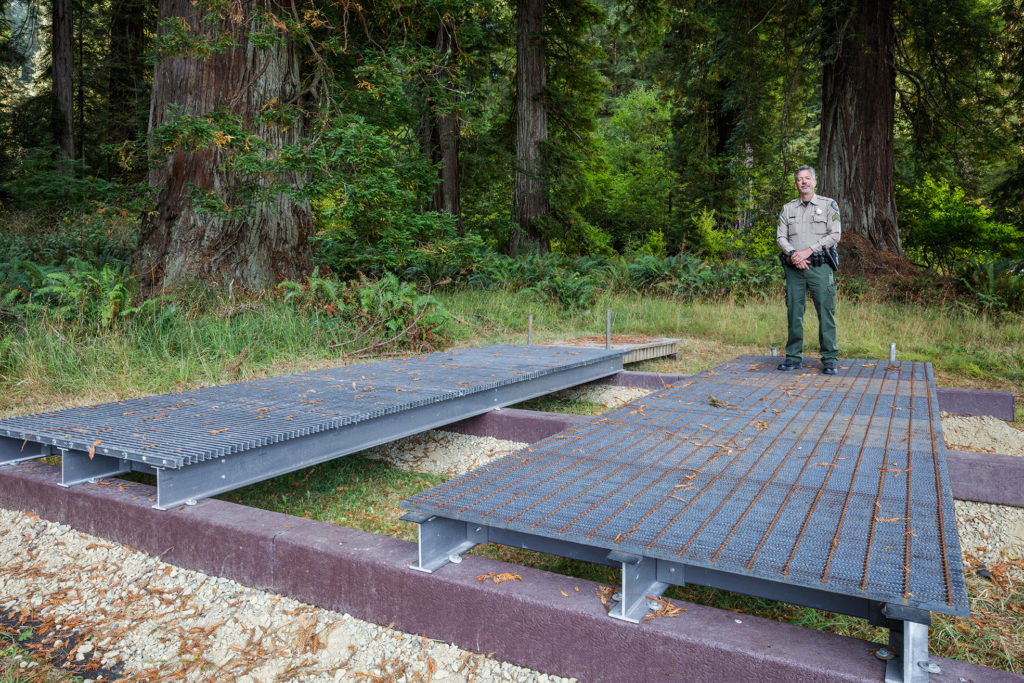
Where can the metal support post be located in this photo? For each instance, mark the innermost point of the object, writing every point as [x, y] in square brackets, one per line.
[608, 328]
[443, 540]
[529, 331]
[908, 641]
[18, 450]
[639, 586]
[910, 645]
[77, 467]
[892, 352]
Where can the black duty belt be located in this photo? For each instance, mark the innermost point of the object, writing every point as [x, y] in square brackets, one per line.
[815, 259]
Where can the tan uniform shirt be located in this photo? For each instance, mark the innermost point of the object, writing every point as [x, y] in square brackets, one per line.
[814, 225]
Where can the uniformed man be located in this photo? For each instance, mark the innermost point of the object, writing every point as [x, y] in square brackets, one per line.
[809, 225]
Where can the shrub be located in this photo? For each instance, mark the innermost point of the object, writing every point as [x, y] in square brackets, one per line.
[44, 178]
[993, 285]
[941, 226]
[569, 290]
[712, 242]
[384, 312]
[368, 207]
[631, 191]
[92, 297]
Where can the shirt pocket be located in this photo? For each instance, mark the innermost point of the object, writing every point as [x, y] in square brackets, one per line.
[819, 224]
[792, 225]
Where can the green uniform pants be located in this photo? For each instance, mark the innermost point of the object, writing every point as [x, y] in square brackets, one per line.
[818, 281]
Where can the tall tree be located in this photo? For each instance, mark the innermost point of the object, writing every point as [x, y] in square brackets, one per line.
[858, 95]
[442, 126]
[530, 192]
[62, 76]
[745, 91]
[207, 225]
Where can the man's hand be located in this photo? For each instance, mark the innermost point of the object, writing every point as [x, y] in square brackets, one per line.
[799, 258]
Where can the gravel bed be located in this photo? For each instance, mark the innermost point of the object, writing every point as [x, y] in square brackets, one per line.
[607, 396]
[991, 533]
[982, 434]
[438, 452]
[153, 621]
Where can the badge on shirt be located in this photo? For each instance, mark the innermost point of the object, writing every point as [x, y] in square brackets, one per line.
[817, 211]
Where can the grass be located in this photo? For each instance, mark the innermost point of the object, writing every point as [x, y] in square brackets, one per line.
[50, 363]
[966, 350]
[13, 654]
[47, 364]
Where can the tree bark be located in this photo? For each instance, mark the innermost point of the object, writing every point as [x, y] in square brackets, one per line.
[180, 244]
[858, 99]
[530, 190]
[63, 67]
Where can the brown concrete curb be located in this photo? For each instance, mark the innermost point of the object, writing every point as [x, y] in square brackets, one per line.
[977, 402]
[541, 622]
[987, 477]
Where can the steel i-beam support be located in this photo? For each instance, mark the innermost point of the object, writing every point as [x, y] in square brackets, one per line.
[16, 450]
[908, 641]
[78, 467]
[443, 540]
[640, 586]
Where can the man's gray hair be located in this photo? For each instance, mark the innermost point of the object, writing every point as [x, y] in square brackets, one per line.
[805, 168]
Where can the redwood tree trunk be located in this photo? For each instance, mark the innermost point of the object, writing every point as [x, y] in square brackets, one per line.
[62, 77]
[530, 191]
[444, 141]
[858, 97]
[180, 244]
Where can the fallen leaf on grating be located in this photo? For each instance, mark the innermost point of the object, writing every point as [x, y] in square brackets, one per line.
[499, 577]
[667, 609]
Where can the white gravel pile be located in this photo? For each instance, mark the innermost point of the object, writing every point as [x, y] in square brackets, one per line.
[437, 452]
[605, 395]
[991, 532]
[160, 622]
[982, 434]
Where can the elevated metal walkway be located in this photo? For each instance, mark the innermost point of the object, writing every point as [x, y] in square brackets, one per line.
[824, 491]
[200, 443]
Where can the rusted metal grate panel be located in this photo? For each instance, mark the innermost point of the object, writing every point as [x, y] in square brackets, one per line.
[833, 483]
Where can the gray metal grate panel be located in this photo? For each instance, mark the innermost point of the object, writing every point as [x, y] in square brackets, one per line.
[176, 430]
[833, 483]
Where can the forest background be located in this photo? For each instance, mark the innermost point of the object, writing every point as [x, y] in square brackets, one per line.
[351, 161]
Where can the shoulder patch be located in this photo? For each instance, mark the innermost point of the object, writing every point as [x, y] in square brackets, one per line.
[835, 216]
[834, 206]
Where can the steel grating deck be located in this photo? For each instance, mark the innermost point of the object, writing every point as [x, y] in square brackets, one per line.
[828, 491]
[232, 435]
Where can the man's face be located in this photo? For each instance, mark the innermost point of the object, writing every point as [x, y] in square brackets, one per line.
[805, 184]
